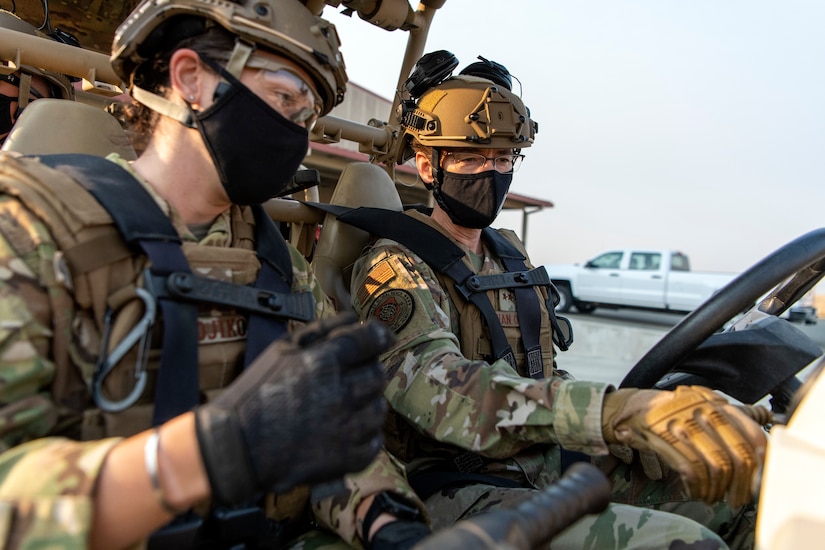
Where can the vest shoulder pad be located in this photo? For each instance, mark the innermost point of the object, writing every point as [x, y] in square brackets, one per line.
[63, 205]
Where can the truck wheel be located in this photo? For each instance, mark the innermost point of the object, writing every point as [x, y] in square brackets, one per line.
[565, 298]
[585, 307]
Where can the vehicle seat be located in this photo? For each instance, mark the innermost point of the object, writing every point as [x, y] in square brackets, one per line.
[339, 244]
[49, 126]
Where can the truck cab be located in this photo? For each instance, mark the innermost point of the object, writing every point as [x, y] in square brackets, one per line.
[635, 278]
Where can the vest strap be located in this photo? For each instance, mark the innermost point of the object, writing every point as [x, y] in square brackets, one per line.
[482, 283]
[512, 258]
[436, 249]
[145, 228]
[445, 256]
[527, 305]
[275, 275]
[188, 287]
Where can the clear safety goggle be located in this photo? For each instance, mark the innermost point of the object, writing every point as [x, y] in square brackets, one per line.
[468, 162]
[291, 95]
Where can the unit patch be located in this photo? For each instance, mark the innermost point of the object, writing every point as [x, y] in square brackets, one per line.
[394, 308]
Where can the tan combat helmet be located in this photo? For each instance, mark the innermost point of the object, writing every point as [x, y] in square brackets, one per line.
[284, 27]
[21, 76]
[473, 109]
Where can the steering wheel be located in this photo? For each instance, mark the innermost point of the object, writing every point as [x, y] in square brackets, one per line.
[802, 258]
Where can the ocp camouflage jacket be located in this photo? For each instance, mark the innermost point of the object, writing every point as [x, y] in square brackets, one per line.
[448, 399]
[61, 269]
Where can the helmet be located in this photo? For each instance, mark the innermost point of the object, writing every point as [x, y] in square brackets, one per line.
[467, 111]
[59, 84]
[284, 27]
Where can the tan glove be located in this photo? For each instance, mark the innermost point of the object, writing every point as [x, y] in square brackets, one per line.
[715, 447]
[652, 465]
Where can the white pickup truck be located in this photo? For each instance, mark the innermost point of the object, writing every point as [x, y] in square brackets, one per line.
[640, 279]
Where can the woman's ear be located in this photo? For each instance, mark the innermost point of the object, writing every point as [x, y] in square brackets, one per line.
[424, 165]
[190, 78]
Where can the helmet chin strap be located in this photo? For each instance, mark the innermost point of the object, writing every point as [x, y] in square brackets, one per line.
[438, 180]
[240, 56]
[24, 90]
[436, 169]
[161, 105]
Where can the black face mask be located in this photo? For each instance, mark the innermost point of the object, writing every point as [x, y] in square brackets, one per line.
[472, 200]
[255, 149]
[6, 120]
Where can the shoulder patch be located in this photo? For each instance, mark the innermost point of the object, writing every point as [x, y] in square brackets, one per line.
[381, 273]
[394, 308]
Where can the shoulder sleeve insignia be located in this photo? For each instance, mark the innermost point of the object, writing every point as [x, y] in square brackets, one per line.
[394, 308]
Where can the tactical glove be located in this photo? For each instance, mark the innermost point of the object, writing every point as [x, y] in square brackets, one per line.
[308, 410]
[715, 447]
[652, 465]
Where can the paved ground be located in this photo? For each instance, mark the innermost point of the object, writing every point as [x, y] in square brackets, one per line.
[607, 344]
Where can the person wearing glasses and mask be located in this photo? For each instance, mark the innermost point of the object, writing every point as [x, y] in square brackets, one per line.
[20, 87]
[172, 372]
[480, 414]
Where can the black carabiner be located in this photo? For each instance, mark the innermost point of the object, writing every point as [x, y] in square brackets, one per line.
[140, 335]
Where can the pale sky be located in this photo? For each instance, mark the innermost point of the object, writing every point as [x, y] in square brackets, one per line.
[694, 125]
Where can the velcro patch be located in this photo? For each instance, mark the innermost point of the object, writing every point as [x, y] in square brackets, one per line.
[381, 273]
[227, 328]
[394, 308]
[508, 318]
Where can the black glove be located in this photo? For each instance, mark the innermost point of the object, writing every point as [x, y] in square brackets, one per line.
[308, 410]
[404, 532]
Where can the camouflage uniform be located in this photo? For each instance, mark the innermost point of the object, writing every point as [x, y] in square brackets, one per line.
[53, 439]
[456, 410]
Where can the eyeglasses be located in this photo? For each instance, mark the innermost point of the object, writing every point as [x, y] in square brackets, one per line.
[473, 162]
[286, 91]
